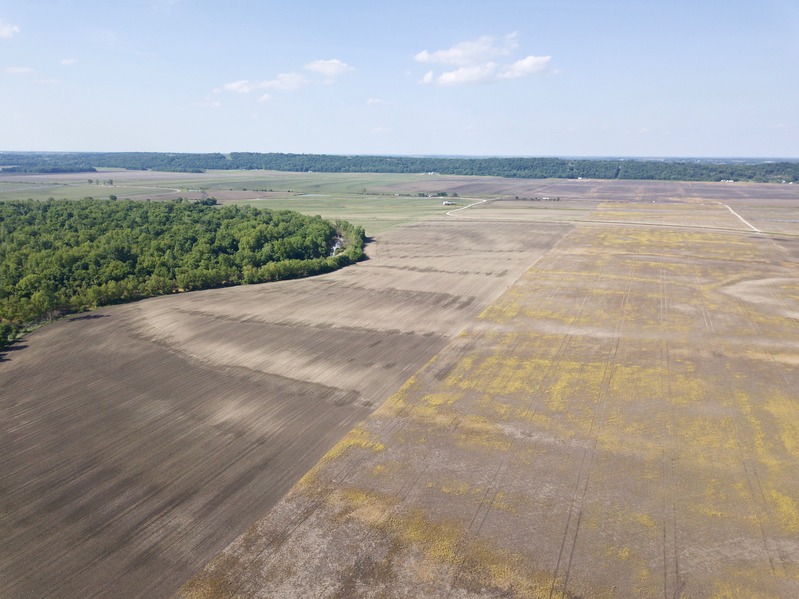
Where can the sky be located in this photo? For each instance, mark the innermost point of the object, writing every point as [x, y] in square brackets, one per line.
[601, 78]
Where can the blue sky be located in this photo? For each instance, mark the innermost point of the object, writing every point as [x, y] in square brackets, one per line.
[500, 77]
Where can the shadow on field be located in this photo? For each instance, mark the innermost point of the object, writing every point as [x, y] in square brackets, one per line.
[88, 317]
[16, 346]
[367, 241]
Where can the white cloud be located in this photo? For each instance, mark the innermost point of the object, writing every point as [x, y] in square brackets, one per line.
[7, 30]
[480, 61]
[471, 52]
[285, 82]
[329, 68]
[524, 67]
[18, 70]
[373, 101]
[474, 74]
[68, 62]
[242, 86]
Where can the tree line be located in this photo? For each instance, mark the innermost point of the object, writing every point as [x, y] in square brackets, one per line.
[531, 168]
[59, 256]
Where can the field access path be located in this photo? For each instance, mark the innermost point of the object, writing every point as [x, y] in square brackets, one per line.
[623, 421]
[139, 440]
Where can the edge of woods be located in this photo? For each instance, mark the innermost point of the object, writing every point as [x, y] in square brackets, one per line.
[61, 257]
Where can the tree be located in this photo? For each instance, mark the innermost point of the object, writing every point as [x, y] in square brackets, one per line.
[58, 256]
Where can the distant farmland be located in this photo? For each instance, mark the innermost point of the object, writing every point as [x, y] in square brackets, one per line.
[594, 397]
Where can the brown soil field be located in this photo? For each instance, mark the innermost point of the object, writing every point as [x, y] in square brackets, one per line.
[591, 398]
[622, 422]
[139, 440]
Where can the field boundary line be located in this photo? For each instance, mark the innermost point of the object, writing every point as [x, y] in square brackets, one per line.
[743, 220]
[465, 207]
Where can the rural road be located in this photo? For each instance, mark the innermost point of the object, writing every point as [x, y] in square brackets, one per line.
[742, 219]
[451, 212]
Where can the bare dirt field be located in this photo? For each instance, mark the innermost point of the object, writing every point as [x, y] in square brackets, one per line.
[139, 440]
[590, 398]
[622, 422]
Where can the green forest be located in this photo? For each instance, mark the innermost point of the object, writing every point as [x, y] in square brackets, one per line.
[530, 168]
[59, 257]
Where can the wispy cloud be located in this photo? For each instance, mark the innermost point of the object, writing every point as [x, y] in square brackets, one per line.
[208, 103]
[474, 74]
[524, 67]
[286, 82]
[374, 101]
[480, 61]
[18, 70]
[283, 82]
[330, 69]
[68, 62]
[242, 86]
[7, 30]
[469, 53]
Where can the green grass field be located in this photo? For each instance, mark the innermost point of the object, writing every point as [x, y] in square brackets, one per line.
[374, 213]
[375, 201]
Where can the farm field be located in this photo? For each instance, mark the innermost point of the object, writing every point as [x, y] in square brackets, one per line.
[594, 397]
[139, 440]
[379, 202]
[621, 422]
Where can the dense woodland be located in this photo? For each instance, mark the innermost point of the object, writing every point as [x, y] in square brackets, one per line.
[533, 168]
[61, 256]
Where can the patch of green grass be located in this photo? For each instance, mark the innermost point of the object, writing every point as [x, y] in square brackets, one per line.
[374, 213]
[367, 200]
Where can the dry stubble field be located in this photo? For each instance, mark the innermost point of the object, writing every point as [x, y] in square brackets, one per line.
[622, 421]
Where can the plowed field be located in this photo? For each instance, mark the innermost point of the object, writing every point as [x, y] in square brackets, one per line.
[622, 422]
[589, 398]
[139, 440]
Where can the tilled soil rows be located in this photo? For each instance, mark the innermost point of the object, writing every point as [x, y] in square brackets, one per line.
[139, 440]
[622, 422]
